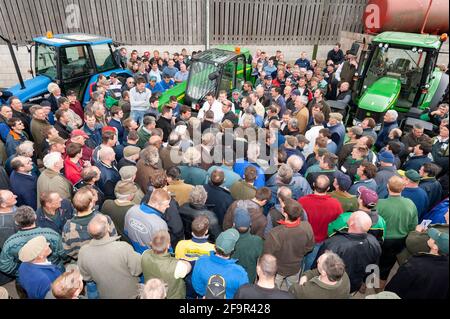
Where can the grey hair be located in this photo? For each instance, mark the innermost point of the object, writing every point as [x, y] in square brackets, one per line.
[293, 123]
[25, 148]
[105, 151]
[154, 289]
[295, 162]
[98, 226]
[285, 192]
[334, 266]
[248, 120]
[393, 114]
[150, 156]
[198, 196]
[96, 95]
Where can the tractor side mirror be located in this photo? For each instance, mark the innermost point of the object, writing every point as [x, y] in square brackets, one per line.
[213, 76]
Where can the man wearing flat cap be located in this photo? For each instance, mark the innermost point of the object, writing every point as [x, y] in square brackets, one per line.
[415, 193]
[130, 157]
[36, 273]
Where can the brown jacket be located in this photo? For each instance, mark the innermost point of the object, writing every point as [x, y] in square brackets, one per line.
[170, 156]
[259, 221]
[302, 117]
[181, 190]
[36, 128]
[289, 245]
[143, 175]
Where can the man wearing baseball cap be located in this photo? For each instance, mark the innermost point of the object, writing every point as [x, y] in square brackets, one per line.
[415, 193]
[424, 276]
[367, 202]
[386, 170]
[80, 137]
[220, 263]
[36, 273]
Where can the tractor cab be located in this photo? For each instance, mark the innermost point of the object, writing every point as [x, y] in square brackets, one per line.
[73, 61]
[223, 68]
[399, 72]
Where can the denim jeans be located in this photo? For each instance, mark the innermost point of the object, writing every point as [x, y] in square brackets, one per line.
[138, 116]
[311, 257]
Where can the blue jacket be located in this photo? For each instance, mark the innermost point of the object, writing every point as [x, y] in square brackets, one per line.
[437, 214]
[206, 266]
[95, 136]
[303, 63]
[420, 199]
[12, 143]
[240, 166]
[120, 129]
[25, 187]
[37, 279]
[337, 135]
[416, 162]
[163, 86]
[382, 139]
[109, 177]
[4, 131]
[62, 215]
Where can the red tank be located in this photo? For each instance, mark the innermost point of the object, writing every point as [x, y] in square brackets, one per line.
[406, 16]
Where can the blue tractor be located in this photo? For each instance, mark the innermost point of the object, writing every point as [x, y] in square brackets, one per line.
[73, 61]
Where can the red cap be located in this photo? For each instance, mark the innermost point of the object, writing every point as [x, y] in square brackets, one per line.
[79, 133]
[109, 129]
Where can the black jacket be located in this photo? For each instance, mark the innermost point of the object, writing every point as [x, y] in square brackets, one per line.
[63, 130]
[189, 212]
[434, 190]
[219, 199]
[424, 276]
[231, 117]
[357, 251]
[166, 126]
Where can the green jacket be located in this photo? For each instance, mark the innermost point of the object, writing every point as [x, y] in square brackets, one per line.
[378, 228]
[241, 190]
[349, 204]
[9, 256]
[400, 215]
[163, 267]
[315, 289]
[144, 136]
[247, 251]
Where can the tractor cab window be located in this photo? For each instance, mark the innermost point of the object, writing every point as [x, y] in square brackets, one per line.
[46, 60]
[200, 81]
[405, 65]
[103, 57]
[228, 77]
[240, 75]
[75, 62]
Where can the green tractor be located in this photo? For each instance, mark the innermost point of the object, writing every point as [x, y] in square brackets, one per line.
[398, 71]
[222, 68]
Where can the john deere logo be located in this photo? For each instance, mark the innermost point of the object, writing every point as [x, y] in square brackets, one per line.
[368, 114]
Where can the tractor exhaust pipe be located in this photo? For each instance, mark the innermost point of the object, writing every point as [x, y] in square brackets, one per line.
[16, 65]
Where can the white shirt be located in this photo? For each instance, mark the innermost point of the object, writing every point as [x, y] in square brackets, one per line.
[216, 108]
[311, 136]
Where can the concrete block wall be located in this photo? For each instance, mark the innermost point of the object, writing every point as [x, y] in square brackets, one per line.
[8, 76]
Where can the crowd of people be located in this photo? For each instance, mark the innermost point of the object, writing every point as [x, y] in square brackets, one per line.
[262, 194]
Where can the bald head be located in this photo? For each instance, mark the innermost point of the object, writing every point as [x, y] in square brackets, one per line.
[322, 184]
[295, 162]
[98, 227]
[359, 223]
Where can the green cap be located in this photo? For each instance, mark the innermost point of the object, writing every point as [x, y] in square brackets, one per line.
[413, 176]
[440, 238]
[227, 240]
